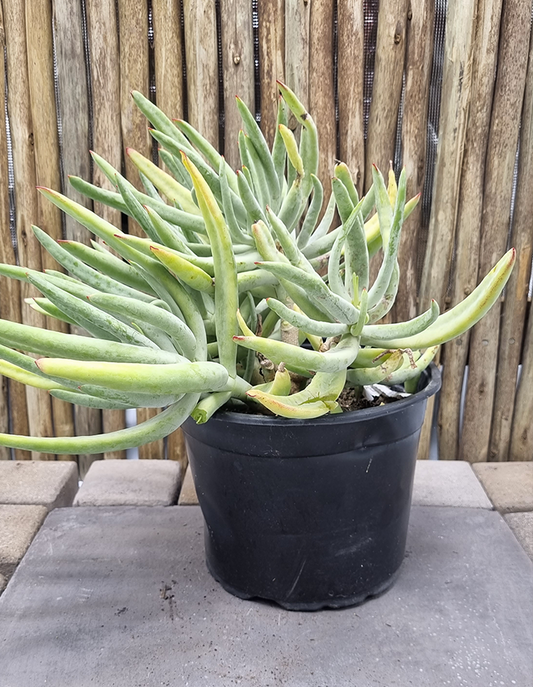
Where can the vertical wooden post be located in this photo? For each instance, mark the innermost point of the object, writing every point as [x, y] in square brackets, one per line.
[507, 432]
[455, 101]
[29, 252]
[387, 89]
[237, 69]
[169, 96]
[12, 394]
[133, 42]
[468, 228]
[134, 75]
[168, 59]
[419, 52]
[350, 83]
[499, 173]
[102, 33]
[74, 117]
[297, 27]
[522, 432]
[322, 88]
[202, 67]
[46, 146]
[271, 61]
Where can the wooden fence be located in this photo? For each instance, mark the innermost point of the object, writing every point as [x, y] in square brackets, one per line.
[374, 79]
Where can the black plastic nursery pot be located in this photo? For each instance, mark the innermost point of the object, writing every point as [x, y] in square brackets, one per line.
[310, 514]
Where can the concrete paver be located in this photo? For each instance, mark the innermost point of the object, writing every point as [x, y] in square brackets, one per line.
[188, 495]
[38, 483]
[130, 483]
[121, 597]
[522, 526]
[508, 485]
[18, 526]
[448, 483]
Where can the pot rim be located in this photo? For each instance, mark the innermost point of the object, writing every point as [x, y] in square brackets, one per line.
[431, 373]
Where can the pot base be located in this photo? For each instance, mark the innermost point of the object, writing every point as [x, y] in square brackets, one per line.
[328, 604]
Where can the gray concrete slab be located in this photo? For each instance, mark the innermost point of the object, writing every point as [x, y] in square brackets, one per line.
[448, 483]
[52, 484]
[121, 597]
[522, 526]
[509, 485]
[188, 495]
[130, 483]
[18, 526]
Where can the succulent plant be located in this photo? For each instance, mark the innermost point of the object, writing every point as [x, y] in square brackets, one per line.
[226, 252]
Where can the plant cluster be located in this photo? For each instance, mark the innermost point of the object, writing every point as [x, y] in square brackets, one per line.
[236, 271]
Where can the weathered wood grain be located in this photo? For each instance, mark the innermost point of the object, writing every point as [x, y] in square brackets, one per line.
[237, 69]
[12, 394]
[350, 83]
[522, 432]
[387, 88]
[46, 145]
[455, 102]
[102, 32]
[322, 88]
[168, 60]
[468, 227]
[271, 61]
[418, 57]
[506, 431]
[73, 107]
[497, 193]
[202, 67]
[26, 208]
[297, 43]
[134, 75]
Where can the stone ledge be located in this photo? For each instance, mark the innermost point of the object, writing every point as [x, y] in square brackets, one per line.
[522, 527]
[3, 583]
[508, 485]
[188, 495]
[18, 526]
[52, 484]
[448, 483]
[130, 483]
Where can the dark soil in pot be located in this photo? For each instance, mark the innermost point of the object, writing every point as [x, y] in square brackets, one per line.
[308, 513]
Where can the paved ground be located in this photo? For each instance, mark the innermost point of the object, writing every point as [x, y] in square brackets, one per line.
[120, 597]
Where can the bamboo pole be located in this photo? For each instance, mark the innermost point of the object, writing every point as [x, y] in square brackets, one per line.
[468, 227]
[387, 88]
[322, 88]
[46, 146]
[350, 83]
[297, 40]
[12, 394]
[456, 83]
[202, 67]
[499, 173]
[102, 32]
[418, 57]
[271, 61]
[506, 430]
[237, 68]
[29, 252]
